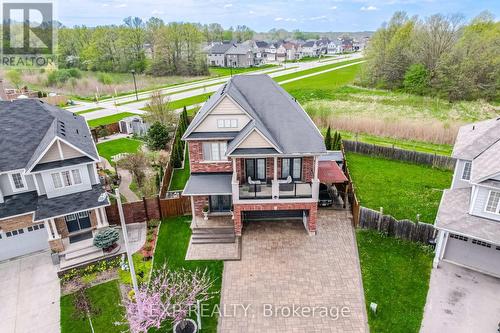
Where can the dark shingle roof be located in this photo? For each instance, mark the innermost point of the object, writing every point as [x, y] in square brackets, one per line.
[18, 204]
[28, 126]
[220, 48]
[209, 183]
[60, 164]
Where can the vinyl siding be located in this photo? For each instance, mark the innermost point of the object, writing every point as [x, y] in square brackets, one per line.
[51, 155]
[41, 185]
[209, 124]
[479, 206]
[69, 152]
[6, 186]
[92, 173]
[255, 140]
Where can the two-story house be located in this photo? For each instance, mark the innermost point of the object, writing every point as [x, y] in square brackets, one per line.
[254, 153]
[216, 55]
[468, 219]
[50, 193]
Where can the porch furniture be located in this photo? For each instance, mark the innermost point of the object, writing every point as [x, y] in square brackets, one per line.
[253, 182]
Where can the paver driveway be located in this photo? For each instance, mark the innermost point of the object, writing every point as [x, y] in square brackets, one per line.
[461, 300]
[282, 267]
[29, 295]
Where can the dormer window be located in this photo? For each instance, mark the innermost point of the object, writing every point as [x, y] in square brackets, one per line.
[493, 202]
[466, 171]
[17, 180]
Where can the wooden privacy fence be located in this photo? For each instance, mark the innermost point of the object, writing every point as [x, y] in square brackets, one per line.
[434, 160]
[149, 209]
[111, 129]
[405, 229]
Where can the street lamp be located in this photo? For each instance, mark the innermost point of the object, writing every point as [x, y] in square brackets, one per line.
[125, 235]
[135, 85]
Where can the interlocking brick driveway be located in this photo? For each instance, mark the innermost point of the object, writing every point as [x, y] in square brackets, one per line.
[282, 266]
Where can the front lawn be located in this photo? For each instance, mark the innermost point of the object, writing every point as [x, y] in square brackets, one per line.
[180, 176]
[171, 248]
[106, 300]
[114, 118]
[108, 149]
[396, 276]
[403, 189]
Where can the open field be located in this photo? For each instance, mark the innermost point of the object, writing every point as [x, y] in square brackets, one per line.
[403, 189]
[108, 149]
[396, 276]
[173, 240]
[105, 298]
[314, 70]
[109, 119]
[90, 110]
[225, 71]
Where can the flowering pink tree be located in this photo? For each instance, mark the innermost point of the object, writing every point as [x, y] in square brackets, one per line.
[170, 296]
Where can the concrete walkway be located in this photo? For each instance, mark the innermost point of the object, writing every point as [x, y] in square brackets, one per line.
[29, 295]
[282, 269]
[461, 301]
[125, 181]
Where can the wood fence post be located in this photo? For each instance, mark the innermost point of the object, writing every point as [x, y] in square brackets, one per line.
[145, 208]
[379, 222]
[159, 206]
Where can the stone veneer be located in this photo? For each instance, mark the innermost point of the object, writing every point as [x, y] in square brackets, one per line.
[312, 207]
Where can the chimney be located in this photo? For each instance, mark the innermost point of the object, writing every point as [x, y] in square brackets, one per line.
[3, 95]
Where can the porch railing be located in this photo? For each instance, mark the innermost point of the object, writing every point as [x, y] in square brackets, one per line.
[255, 191]
[295, 190]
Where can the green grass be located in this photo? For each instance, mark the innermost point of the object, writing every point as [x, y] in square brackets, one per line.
[424, 147]
[313, 70]
[321, 86]
[171, 248]
[180, 176]
[396, 276]
[106, 299]
[180, 103]
[224, 71]
[89, 110]
[109, 119]
[403, 189]
[123, 145]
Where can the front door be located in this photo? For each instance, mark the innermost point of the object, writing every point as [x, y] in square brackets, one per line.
[77, 222]
[255, 168]
[220, 203]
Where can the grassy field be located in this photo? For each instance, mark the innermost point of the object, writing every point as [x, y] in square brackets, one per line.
[313, 70]
[180, 103]
[89, 110]
[106, 300]
[225, 71]
[109, 119]
[403, 189]
[180, 176]
[123, 145]
[171, 248]
[396, 276]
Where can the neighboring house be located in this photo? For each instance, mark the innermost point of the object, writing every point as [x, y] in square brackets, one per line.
[310, 49]
[133, 125]
[333, 48]
[50, 194]
[271, 52]
[260, 52]
[254, 152]
[216, 55]
[281, 53]
[468, 219]
[346, 44]
[240, 55]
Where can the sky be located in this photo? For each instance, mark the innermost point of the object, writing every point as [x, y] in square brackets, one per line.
[263, 15]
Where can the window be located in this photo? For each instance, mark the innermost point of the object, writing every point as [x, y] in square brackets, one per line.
[56, 180]
[466, 171]
[493, 201]
[66, 178]
[255, 168]
[17, 181]
[480, 243]
[76, 176]
[227, 123]
[214, 151]
[459, 237]
[291, 167]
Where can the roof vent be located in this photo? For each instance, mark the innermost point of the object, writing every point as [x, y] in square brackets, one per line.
[473, 127]
[77, 132]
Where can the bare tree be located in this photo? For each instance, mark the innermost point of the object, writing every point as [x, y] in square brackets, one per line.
[137, 164]
[158, 110]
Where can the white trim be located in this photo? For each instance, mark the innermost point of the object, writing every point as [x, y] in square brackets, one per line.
[61, 155]
[497, 209]
[17, 215]
[247, 135]
[468, 235]
[23, 180]
[60, 168]
[75, 212]
[36, 185]
[475, 191]
[42, 154]
[79, 150]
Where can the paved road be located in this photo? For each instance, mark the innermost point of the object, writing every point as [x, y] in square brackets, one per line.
[461, 301]
[29, 295]
[196, 88]
[282, 267]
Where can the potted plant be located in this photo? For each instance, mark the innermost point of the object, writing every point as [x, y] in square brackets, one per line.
[107, 239]
[205, 212]
[232, 212]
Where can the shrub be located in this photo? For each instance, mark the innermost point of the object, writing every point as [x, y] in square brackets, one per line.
[416, 80]
[157, 136]
[62, 75]
[328, 139]
[153, 223]
[107, 238]
[104, 78]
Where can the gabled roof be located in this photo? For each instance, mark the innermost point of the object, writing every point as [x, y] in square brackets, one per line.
[29, 126]
[487, 164]
[275, 114]
[309, 44]
[261, 44]
[220, 48]
[473, 139]
[239, 49]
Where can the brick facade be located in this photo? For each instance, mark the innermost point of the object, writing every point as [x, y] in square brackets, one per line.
[200, 201]
[61, 226]
[17, 222]
[311, 207]
[198, 165]
[56, 245]
[307, 169]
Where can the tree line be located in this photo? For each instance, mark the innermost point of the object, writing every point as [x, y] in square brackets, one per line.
[151, 46]
[439, 55]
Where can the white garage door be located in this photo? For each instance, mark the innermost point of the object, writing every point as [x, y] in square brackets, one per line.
[23, 241]
[473, 253]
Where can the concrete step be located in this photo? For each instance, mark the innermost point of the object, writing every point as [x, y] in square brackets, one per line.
[78, 261]
[82, 252]
[213, 231]
[213, 240]
[75, 247]
[208, 236]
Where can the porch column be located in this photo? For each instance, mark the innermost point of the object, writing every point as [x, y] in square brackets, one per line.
[235, 184]
[275, 186]
[235, 175]
[315, 180]
[104, 220]
[316, 167]
[56, 234]
[98, 217]
[48, 227]
[440, 247]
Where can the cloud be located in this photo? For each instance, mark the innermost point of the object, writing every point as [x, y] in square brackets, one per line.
[368, 8]
[157, 12]
[285, 19]
[318, 18]
[122, 5]
[228, 5]
[251, 12]
[333, 7]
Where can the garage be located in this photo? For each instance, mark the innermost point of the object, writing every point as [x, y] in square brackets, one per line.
[473, 253]
[274, 215]
[23, 241]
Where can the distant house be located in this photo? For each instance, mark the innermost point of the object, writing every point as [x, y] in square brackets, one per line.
[468, 219]
[271, 52]
[346, 44]
[310, 49]
[260, 52]
[216, 55]
[240, 55]
[333, 48]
